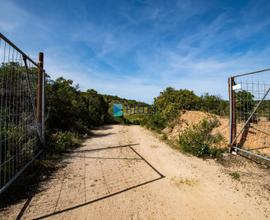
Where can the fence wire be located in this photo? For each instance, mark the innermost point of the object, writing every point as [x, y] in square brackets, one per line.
[251, 107]
[19, 131]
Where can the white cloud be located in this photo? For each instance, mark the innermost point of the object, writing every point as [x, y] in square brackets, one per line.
[197, 59]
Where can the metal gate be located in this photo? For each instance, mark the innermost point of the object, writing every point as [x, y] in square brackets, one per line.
[249, 96]
[21, 111]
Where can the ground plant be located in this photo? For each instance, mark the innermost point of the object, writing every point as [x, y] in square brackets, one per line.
[199, 140]
[235, 175]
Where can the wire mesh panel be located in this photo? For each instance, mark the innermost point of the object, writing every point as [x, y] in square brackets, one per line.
[19, 130]
[250, 113]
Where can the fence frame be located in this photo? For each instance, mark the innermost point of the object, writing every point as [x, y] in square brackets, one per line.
[233, 147]
[39, 114]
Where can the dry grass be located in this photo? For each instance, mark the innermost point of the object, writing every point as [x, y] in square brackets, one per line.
[180, 181]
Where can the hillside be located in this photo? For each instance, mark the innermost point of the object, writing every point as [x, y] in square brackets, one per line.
[116, 99]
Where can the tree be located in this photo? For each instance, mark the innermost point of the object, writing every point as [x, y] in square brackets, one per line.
[72, 110]
[96, 108]
[171, 101]
[244, 104]
[64, 106]
[214, 104]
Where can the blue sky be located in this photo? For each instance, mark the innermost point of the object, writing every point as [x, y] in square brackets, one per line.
[137, 48]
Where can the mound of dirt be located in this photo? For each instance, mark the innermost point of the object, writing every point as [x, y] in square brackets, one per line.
[189, 118]
[255, 137]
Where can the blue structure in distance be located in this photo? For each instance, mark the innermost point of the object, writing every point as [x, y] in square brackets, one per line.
[117, 110]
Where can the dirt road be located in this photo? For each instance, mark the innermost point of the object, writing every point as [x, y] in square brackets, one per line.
[126, 172]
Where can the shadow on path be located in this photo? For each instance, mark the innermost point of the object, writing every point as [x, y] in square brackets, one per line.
[111, 194]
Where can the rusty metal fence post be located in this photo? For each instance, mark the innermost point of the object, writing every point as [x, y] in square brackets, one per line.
[40, 96]
[232, 100]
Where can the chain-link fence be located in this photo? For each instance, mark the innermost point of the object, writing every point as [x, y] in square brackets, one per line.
[250, 114]
[21, 130]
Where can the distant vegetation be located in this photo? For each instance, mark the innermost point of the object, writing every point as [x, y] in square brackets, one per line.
[110, 99]
[128, 118]
[171, 101]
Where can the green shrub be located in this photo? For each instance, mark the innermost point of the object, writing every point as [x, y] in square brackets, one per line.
[235, 175]
[70, 109]
[214, 104]
[245, 103]
[155, 122]
[62, 141]
[198, 140]
[170, 102]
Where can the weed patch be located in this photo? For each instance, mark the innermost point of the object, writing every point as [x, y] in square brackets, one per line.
[235, 175]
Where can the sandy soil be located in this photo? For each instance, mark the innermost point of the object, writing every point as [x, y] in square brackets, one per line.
[126, 172]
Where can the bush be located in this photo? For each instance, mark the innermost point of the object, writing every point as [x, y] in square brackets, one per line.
[155, 122]
[72, 110]
[235, 175]
[245, 104]
[198, 140]
[214, 104]
[62, 141]
[171, 101]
